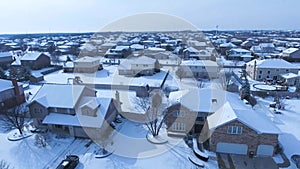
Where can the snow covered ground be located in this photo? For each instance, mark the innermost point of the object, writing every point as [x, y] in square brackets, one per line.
[26, 154]
[289, 124]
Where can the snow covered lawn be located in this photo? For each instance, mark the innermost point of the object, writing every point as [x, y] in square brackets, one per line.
[133, 151]
[289, 124]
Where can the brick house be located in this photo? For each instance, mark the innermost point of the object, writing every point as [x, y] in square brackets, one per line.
[240, 130]
[35, 60]
[269, 69]
[71, 109]
[11, 94]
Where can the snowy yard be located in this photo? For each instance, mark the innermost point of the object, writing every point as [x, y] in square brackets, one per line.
[289, 124]
[132, 150]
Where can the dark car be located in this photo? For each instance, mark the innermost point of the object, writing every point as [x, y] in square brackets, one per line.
[70, 162]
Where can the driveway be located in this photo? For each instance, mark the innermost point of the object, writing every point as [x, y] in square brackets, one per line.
[232, 161]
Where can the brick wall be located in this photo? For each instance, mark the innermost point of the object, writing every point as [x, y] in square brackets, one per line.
[248, 136]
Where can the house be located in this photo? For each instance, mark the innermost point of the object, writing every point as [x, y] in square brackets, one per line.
[189, 109]
[225, 47]
[35, 60]
[80, 113]
[199, 69]
[191, 53]
[240, 130]
[142, 65]
[11, 94]
[290, 79]
[269, 69]
[263, 49]
[86, 64]
[68, 67]
[6, 58]
[291, 55]
[237, 53]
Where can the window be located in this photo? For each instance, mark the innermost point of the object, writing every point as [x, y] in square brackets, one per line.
[260, 72]
[234, 130]
[277, 70]
[269, 72]
[259, 76]
[38, 110]
[178, 113]
[179, 126]
[287, 70]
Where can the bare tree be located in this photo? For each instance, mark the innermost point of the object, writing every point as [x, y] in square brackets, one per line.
[4, 165]
[180, 73]
[225, 78]
[15, 118]
[154, 116]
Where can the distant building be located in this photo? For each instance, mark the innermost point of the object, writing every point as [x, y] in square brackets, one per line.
[238, 54]
[291, 55]
[263, 49]
[269, 69]
[11, 94]
[6, 58]
[86, 65]
[199, 69]
[35, 60]
[80, 113]
[142, 65]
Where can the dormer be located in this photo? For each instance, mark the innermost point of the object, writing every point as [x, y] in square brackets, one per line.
[90, 108]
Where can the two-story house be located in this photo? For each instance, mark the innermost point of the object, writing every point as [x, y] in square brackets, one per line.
[71, 109]
[142, 65]
[188, 109]
[269, 69]
[238, 54]
[199, 69]
[35, 60]
[87, 65]
[237, 129]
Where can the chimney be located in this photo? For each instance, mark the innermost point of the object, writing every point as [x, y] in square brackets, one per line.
[16, 90]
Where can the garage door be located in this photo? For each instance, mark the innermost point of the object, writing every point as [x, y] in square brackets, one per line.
[265, 150]
[79, 132]
[232, 148]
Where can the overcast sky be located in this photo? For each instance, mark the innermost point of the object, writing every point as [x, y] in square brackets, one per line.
[28, 16]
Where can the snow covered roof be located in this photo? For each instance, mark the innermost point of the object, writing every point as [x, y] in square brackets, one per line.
[240, 50]
[60, 96]
[200, 100]
[290, 50]
[191, 49]
[199, 63]
[228, 45]
[31, 56]
[126, 63]
[7, 84]
[272, 63]
[87, 59]
[79, 119]
[61, 119]
[289, 75]
[5, 54]
[229, 113]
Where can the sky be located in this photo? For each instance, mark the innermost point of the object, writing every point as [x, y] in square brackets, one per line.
[44, 16]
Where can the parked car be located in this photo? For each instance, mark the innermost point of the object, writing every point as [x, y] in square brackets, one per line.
[70, 162]
[296, 159]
